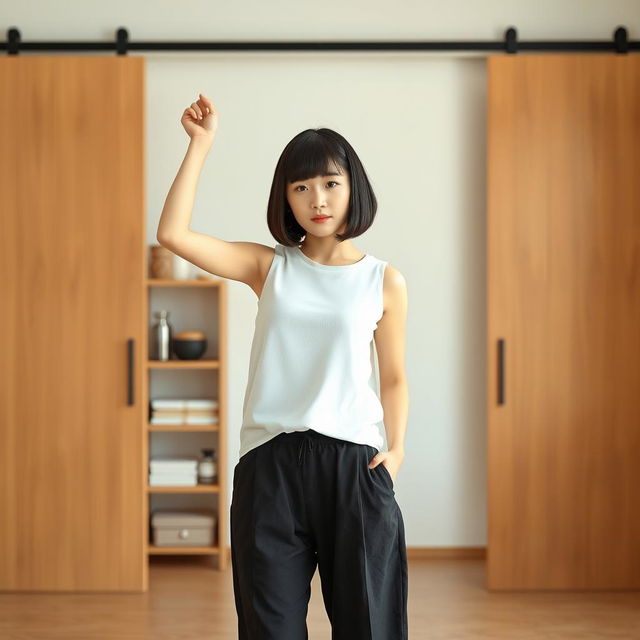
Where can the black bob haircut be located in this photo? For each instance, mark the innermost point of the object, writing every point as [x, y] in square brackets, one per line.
[311, 153]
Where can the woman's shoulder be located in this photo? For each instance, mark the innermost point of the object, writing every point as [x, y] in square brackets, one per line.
[394, 283]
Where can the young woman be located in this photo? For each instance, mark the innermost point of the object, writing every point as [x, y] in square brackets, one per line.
[312, 486]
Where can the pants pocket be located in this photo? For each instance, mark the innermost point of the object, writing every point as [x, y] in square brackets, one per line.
[384, 476]
[387, 474]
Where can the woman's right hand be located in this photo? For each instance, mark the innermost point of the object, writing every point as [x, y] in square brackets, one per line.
[200, 119]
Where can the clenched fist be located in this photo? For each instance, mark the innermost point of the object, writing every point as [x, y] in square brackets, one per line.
[200, 119]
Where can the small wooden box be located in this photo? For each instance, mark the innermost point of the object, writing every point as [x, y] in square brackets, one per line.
[192, 528]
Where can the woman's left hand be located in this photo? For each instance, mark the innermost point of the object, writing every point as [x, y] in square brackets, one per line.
[391, 459]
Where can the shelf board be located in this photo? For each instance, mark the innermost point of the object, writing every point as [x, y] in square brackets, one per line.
[159, 282]
[199, 488]
[203, 363]
[153, 550]
[183, 427]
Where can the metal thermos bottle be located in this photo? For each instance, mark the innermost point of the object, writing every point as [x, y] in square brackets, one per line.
[161, 336]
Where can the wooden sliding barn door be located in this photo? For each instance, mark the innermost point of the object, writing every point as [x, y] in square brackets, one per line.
[72, 262]
[564, 322]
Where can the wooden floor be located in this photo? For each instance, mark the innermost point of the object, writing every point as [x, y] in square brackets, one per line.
[447, 599]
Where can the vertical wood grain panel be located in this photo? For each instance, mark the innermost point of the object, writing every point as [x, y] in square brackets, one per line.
[72, 259]
[564, 293]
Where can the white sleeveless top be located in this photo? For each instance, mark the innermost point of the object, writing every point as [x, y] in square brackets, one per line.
[312, 360]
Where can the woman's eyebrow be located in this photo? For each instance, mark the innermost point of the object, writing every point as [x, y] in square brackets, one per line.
[324, 175]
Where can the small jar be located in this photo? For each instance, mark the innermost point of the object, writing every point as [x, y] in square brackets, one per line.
[161, 265]
[207, 467]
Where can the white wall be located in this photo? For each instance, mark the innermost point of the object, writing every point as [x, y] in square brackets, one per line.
[417, 120]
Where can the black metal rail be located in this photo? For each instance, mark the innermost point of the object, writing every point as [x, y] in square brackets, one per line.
[121, 45]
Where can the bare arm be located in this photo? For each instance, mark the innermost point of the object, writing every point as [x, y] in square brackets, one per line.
[176, 213]
[390, 346]
[234, 260]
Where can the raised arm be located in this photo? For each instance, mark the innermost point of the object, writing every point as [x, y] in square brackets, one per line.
[242, 261]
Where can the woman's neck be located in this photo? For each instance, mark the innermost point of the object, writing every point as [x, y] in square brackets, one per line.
[329, 252]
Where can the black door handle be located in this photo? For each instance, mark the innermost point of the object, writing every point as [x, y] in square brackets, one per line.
[501, 349]
[130, 394]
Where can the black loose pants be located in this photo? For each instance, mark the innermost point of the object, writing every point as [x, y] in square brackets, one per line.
[304, 499]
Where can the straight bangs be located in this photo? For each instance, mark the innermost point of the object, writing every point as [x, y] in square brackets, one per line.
[314, 156]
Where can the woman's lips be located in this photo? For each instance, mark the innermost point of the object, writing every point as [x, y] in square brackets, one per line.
[321, 219]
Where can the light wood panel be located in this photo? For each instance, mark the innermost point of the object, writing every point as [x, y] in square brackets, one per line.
[72, 505]
[564, 294]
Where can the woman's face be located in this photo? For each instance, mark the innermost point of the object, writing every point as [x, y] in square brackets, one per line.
[326, 195]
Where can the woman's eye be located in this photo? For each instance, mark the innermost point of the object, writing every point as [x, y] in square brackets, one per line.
[301, 186]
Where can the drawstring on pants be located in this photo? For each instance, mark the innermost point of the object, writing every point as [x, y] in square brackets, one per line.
[309, 442]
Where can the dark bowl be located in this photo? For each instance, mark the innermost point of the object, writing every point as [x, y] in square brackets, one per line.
[189, 349]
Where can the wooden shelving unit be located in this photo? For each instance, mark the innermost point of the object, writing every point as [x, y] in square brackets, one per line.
[219, 551]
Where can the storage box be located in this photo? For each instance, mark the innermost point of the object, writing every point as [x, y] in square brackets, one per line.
[192, 528]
